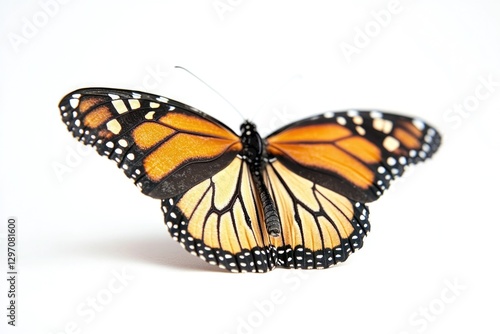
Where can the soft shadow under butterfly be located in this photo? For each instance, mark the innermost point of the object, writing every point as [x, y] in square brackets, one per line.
[295, 199]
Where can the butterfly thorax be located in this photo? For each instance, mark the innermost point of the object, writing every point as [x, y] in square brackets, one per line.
[253, 146]
[254, 153]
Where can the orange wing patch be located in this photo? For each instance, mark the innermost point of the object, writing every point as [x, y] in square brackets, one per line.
[183, 122]
[182, 148]
[329, 147]
[88, 102]
[360, 148]
[327, 157]
[149, 134]
[408, 135]
[97, 117]
[180, 139]
[311, 134]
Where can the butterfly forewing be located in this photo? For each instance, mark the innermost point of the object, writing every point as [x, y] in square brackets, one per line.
[354, 153]
[165, 146]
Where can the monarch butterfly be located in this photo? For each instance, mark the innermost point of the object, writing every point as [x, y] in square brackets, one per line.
[295, 199]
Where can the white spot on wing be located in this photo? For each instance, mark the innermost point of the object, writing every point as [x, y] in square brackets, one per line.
[341, 120]
[120, 106]
[357, 120]
[352, 113]
[134, 104]
[419, 124]
[382, 125]
[74, 103]
[360, 130]
[391, 161]
[390, 143]
[114, 126]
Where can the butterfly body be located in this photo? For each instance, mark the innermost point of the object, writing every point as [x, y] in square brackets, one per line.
[254, 154]
[295, 199]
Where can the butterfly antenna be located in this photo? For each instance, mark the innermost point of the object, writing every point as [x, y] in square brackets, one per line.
[212, 89]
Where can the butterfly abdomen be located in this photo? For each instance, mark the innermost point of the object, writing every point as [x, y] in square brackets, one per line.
[253, 154]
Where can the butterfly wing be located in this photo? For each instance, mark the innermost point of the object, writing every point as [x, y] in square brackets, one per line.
[354, 153]
[320, 227]
[323, 169]
[165, 146]
[220, 221]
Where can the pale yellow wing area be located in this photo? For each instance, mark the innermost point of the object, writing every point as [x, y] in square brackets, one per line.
[220, 221]
[319, 226]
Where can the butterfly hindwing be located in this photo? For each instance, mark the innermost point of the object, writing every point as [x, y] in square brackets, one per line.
[354, 153]
[165, 146]
[320, 228]
[220, 221]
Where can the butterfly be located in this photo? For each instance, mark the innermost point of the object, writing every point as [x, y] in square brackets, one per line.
[294, 199]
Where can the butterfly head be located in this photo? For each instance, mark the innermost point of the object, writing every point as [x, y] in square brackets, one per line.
[247, 126]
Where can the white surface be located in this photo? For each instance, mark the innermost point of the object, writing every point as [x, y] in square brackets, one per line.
[276, 61]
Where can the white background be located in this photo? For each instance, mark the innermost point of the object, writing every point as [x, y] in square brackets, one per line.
[276, 61]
